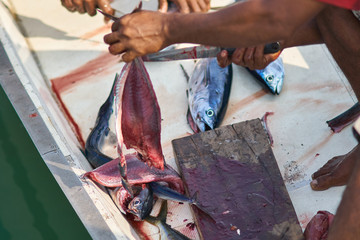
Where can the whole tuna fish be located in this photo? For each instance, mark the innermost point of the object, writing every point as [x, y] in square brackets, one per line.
[208, 94]
[101, 130]
[165, 231]
[272, 76]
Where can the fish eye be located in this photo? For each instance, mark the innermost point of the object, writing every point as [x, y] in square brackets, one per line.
[270, 78]
[137, 202]
[210, 113]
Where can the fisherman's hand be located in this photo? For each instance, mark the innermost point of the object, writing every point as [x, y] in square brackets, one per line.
[138, 34]
[336, 172]
[251, 57]
[186, 6]
[88, 6]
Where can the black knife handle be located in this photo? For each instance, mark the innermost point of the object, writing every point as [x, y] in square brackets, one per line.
[272, 48]
[269, 48]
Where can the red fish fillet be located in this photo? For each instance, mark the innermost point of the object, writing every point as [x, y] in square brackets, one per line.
[140, 115]
[318, 227]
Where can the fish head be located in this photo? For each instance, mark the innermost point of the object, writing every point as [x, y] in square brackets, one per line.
[142, 204]
[273, 75]
[206, 118]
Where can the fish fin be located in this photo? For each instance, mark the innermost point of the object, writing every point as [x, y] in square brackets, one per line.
[185, 73]
[191, 122]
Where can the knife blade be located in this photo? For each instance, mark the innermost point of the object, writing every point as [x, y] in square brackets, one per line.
[200, 51]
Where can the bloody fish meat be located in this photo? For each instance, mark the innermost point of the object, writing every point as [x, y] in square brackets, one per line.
[140, 115]
[138, 173]
[344, 119]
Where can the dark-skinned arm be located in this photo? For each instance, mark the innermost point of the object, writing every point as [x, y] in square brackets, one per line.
[254, 57]
[244, 24]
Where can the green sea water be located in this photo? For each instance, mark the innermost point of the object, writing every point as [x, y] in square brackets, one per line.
[32, 205]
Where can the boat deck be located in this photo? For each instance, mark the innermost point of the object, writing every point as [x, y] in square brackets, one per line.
[64, 74]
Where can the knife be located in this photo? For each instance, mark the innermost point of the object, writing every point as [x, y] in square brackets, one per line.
[200, 51]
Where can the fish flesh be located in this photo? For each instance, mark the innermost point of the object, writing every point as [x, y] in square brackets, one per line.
[100, 131]
[138, 172]
[208, 94]
[121, 198]
[272, 76]
[138, 118]
[344, 119]
[142, 204]
[140, 115]
[318, 227]
[165, 231]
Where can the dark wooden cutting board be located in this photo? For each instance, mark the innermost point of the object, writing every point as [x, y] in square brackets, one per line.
[233, 172]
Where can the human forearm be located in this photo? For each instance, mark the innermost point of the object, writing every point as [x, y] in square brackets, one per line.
[307, 34]
[245, 24]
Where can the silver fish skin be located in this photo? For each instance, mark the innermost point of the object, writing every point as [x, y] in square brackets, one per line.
[167, 193]
[272, 76]
[166, 232]
[101, 131]
[208, 94]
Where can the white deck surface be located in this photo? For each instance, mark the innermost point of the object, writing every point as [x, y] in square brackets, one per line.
[314, 91]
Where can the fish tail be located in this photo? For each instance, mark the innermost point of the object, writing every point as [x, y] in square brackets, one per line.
[161, 217]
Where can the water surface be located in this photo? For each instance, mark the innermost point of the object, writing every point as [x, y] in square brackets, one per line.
[32, 205]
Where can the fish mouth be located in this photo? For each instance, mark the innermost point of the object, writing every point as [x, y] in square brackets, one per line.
[207, 127]
[278, 88]
[204, 127]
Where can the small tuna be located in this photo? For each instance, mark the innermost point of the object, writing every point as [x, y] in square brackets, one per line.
[208, 94]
